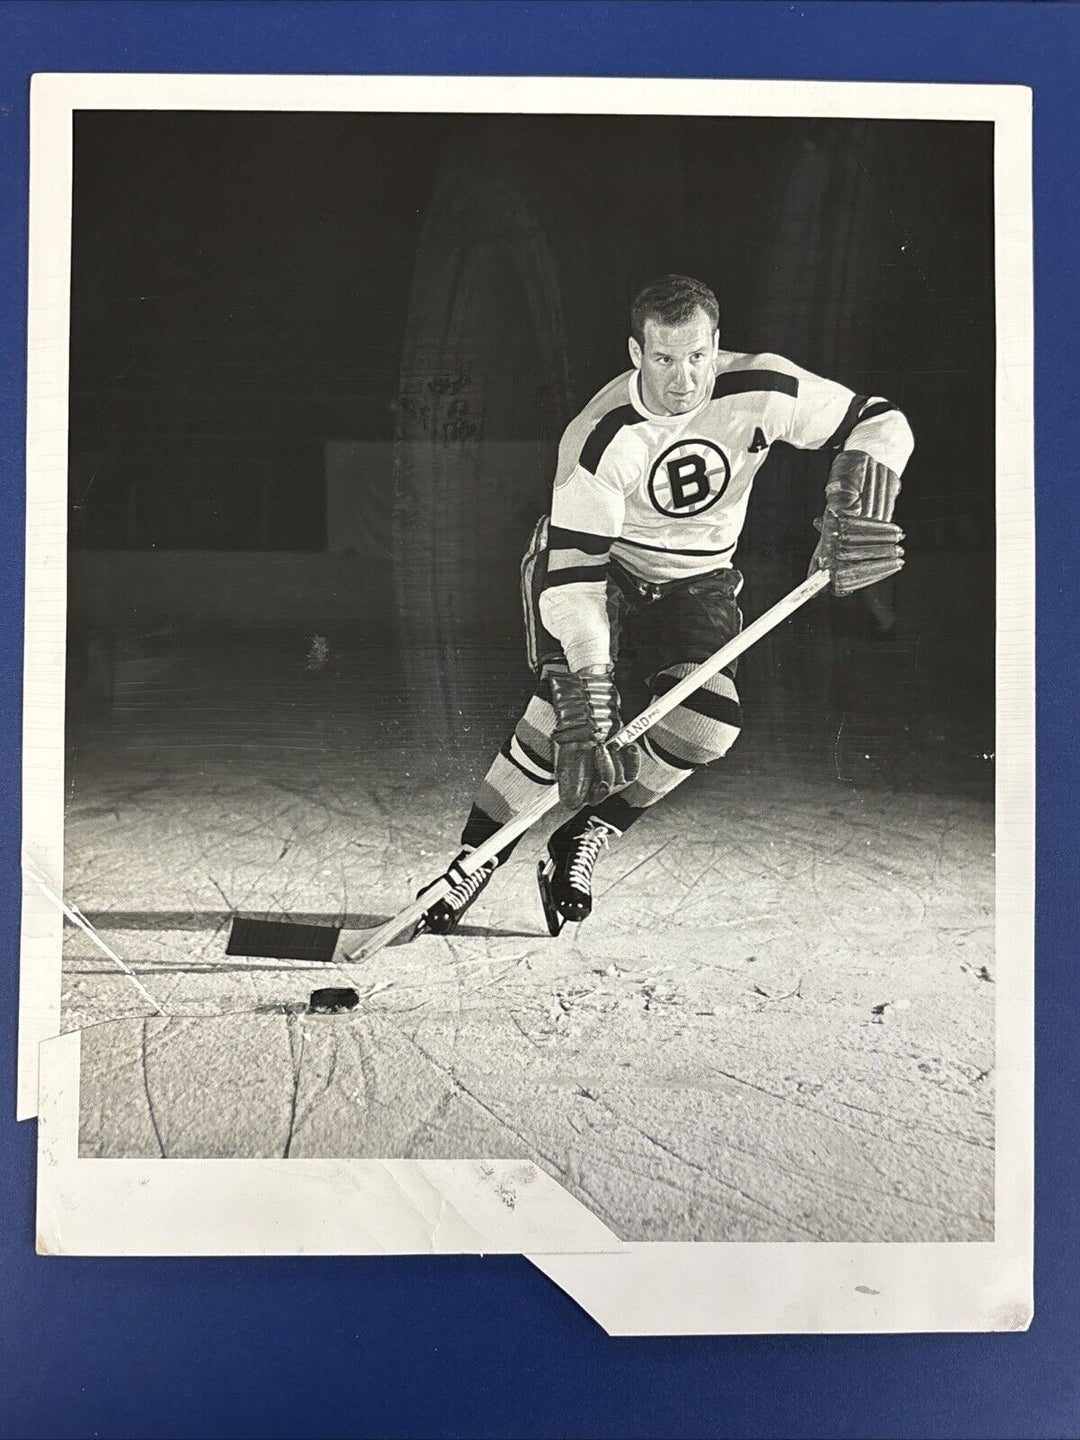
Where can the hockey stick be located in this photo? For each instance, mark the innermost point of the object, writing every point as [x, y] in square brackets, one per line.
[319, 942]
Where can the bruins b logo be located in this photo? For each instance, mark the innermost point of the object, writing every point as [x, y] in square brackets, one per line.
[688, 477]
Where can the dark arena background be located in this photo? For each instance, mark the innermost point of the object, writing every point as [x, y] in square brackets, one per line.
[319, 368]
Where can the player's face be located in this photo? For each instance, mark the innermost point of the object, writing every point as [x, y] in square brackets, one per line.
[676, 364]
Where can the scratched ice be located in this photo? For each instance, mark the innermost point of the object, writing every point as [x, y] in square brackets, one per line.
[778, 1024]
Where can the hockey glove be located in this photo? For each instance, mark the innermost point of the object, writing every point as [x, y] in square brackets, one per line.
[859, 543]
[586, 707]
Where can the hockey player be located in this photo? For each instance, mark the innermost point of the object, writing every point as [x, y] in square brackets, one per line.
[649, 499]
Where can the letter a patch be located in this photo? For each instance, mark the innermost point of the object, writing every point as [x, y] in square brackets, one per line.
[759, 442]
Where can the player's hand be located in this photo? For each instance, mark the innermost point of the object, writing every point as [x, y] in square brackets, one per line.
[859, 543]
[586, 705]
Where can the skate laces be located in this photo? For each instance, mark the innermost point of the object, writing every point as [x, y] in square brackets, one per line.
[584, 855]
[468, 885]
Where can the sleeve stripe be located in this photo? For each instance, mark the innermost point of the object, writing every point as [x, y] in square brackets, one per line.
[604, 431]
[571, 559]
[879, 407]
[588, 544]
[576, 575]
[847, 424]
[738, 382]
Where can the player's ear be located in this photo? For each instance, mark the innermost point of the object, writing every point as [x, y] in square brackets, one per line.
[635, 352]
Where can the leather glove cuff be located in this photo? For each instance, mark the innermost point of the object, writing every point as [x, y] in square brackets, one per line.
[859, 485]
[586, 704]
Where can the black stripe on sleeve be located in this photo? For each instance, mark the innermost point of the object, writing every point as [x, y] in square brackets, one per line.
[576, 575]
[739, 382]
[603, 432]
[879, 407]
[560, 539]
[847, 424]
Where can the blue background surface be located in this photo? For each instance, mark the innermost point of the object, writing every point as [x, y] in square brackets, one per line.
[465, 1347]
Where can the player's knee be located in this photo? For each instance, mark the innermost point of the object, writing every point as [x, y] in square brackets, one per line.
[719, 744]
[707, 723]
[692, 741]
[724, 746]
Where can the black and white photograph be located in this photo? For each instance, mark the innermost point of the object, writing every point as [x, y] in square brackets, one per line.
[530, 655]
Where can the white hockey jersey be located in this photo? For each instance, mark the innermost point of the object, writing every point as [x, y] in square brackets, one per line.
[666, 495]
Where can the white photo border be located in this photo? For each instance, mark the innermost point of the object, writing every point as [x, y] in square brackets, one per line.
[644, 1288]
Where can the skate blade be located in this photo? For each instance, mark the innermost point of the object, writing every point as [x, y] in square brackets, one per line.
[552, 915]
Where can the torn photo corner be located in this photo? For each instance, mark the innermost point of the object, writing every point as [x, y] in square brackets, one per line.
[382, 431]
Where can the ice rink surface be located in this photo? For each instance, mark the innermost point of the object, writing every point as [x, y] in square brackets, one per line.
[777, 1025]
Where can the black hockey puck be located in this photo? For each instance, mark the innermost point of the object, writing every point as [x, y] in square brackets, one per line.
[332, 1001]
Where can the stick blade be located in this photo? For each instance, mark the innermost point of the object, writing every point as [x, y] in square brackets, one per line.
[282, 940]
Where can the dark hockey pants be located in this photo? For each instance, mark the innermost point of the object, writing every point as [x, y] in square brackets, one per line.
[660, 633]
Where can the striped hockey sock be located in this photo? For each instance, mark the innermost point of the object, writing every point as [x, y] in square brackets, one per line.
[523, 770]
[702, 729]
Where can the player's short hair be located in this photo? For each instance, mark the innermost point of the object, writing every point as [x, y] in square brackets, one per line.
[672, 301]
